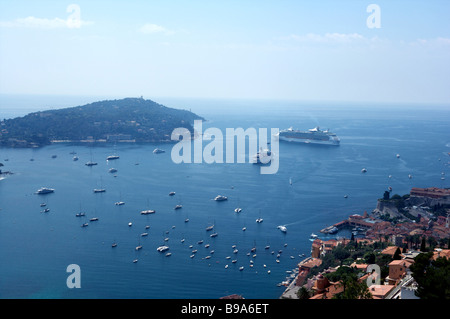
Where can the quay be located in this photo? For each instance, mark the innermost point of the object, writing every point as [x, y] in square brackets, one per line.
[364, 222]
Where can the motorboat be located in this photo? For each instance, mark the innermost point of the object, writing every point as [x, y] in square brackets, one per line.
[44, 190]
[90, 163]
[282, 228]
[147, 212]
[162, 248]
[220, 198]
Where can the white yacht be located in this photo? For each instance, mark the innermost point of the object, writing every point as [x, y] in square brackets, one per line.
[90, 163]
[162, 248]
[220, 198]
[147, 212]
[282, 228]
[44, 190]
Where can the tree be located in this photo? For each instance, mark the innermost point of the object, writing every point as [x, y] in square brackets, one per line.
[386, 195]
[397, 254]
[423, 247]
[353, 289]
[303, 293]
[432, 276]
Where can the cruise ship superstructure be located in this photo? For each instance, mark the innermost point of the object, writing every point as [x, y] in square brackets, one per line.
[312, 136]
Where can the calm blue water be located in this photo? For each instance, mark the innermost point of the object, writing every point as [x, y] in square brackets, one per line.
[36, 248]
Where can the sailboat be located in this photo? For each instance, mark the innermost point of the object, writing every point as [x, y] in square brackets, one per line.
[147, 211]
[259, 219]
[91, 162]
[113, 157]
[139, 246]
[214, 234]
[101, 189]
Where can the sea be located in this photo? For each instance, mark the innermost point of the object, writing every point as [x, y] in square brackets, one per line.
[314, 187]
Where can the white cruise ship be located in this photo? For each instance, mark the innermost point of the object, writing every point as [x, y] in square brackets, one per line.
[312, 136]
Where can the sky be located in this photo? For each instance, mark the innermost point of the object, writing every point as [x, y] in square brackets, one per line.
[378, 51]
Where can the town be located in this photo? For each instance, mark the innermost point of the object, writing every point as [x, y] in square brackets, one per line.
[403, 253]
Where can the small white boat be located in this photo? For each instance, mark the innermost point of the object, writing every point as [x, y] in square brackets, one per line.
[244, 228]
[168, 254]
[162, 248]
[93, 219]
[171, 193]
[313, 236]
[220, 198]
[259, 220]
[144, 234]
[238, 210]
[158, 151]
[44, 190]
[99, 190]
[130, 224]
[241, 268]
[282, 228]
[138, 247]
[90, 163]
[112, 157]
[178, 207]
[135, 261]
[119, 203]
[147, 212]
[364, 170]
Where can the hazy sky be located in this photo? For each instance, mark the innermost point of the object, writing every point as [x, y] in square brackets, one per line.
[302, 50]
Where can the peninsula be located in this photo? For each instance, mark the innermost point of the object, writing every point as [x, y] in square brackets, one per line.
[124, 120]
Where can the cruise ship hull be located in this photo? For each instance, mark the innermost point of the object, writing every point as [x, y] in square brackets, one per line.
[312, 136]
[309, 141]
